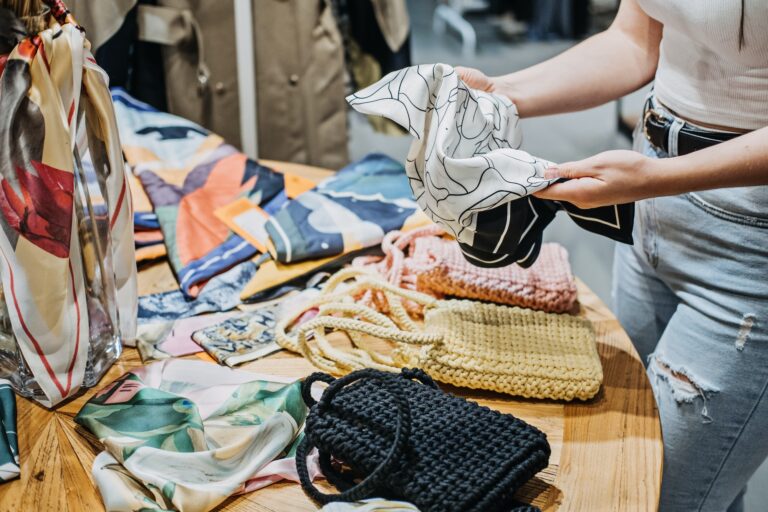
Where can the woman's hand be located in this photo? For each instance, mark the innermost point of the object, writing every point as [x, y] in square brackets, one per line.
[476, 79]
[613, 177]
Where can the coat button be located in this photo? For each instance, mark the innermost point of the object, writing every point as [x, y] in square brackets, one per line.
[293, 79]
[220, 88]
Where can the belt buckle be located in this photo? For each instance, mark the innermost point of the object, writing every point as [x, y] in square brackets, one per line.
[649, 111]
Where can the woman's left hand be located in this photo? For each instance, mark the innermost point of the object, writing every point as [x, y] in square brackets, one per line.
[613, 177]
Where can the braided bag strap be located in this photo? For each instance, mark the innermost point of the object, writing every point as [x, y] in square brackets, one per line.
[376, 479]
[338, 313]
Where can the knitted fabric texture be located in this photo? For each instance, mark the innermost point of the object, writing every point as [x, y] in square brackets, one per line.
[409, 440]
[426, 261]
[465, 343]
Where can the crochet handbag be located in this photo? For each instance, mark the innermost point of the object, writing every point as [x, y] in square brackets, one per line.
[424, 260]
[403, 438]
[465, 343]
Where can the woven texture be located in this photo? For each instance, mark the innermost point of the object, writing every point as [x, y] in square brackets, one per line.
[510, 350]
[409, 440]
[465, 343]
[426, 261]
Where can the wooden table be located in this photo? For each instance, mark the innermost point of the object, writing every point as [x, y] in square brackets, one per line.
[606, 453]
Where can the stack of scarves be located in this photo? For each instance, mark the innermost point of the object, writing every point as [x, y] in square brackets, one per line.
[207, 207]
[187, 173]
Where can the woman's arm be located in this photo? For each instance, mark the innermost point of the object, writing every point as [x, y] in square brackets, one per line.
[603, 68]
[623, 176]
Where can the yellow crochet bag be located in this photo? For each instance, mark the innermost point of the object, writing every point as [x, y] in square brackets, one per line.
[465, 343]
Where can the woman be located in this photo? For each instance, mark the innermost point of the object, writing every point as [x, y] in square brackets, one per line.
[693, 291]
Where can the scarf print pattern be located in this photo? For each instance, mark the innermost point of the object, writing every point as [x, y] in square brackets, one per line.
[185, 435]
[173, 338]
[348, 212]
[467, 172]
[188, 173]
[222, 293]
[55, 110]
[241, 338]
[9, 440]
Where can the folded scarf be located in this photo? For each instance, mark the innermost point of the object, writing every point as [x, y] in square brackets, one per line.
[188, 173]
[9, 440]
[347, 212]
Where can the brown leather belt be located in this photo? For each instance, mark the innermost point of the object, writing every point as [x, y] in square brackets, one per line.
[656, 129]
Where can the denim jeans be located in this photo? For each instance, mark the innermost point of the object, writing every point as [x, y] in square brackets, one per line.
[692, 294]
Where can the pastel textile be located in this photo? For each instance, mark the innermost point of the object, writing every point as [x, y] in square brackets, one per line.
[347, 212]
[370, 505]
[9, 440]
[427, 261]
[55, 110]
[188, 173]
[467, 172]
[240, 338]
[272, 276]
[190, 434]
[222, 293]
[173, 338]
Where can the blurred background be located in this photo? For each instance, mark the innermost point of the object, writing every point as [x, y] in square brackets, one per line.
[270, 76]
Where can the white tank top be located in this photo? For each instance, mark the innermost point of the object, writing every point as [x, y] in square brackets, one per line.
[702, 74]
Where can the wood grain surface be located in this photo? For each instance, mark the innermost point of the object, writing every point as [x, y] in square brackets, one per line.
[606, 452]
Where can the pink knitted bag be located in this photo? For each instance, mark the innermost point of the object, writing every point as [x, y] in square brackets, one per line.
[427, 261]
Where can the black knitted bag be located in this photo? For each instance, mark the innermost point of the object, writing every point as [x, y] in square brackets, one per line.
[401, 438]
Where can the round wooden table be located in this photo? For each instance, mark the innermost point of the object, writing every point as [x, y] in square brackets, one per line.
[606, 453]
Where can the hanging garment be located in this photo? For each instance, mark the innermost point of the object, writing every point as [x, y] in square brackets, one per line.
[9, 439]
[241, 338]
[101, 19]
[187, 173]
[399, 436]
[222, 293]
[189, 434]
[466, 171]
[173, 338]
[376, 42]
[348, 212]
[427, 261]
[54, 109]
[465, 343]
[299, 82]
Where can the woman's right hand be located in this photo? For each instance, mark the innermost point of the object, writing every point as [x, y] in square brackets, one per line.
[476, 79]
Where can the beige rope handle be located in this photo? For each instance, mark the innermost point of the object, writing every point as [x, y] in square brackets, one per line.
[398, 328]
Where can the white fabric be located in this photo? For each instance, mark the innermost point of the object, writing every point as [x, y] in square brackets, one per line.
[370, 505]
[703, 75]
[465, 158]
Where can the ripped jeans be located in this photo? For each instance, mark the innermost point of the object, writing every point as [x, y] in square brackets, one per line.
[693, 295]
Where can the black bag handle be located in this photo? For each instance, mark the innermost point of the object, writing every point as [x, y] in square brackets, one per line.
[369, 484]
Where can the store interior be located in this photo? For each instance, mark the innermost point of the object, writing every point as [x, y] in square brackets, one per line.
[206, 181]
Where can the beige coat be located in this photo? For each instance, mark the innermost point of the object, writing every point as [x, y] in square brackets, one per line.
[299, 77]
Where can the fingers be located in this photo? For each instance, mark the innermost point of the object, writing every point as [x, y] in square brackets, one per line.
[570, 170]
[474, 78]
[582, 192]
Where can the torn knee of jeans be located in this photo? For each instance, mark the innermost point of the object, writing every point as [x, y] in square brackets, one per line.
[747, 322]
[684, 386]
